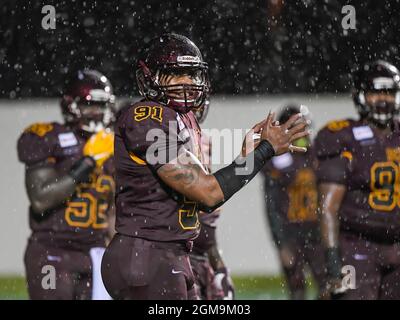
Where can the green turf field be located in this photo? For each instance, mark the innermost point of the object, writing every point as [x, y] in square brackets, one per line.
[247, 287]
[12, 288]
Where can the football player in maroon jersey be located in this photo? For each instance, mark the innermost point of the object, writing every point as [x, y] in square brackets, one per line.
[359, 183]
[291, 199]
[70, 185]
[161, 182]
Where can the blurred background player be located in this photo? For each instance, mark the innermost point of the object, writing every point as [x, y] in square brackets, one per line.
[359, 189]
[161, 181]
[212, 276]
[291, 204]
[70, 185]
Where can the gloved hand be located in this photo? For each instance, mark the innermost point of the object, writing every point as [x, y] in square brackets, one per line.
[81, 170]
[100, 146]
[223, 282]
[334, 288]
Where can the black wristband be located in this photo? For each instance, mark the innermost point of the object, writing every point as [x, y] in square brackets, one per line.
[333, 262]
[265, 150]
[231, 182]
[81, 170]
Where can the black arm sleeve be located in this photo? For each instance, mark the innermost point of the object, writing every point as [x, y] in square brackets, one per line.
[235, 176]
[275, 219]
[47, 189]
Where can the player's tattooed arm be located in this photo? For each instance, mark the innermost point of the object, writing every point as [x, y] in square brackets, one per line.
[330, 198]
[190, 180]
[48, 189]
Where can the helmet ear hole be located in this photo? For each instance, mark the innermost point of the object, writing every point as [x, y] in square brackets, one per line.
[144, 82]
[153, 93]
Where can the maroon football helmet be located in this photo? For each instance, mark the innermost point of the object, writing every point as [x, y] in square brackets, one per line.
[173, 55]
[88, 101]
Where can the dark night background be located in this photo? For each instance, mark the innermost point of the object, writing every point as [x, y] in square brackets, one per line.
[259, 46]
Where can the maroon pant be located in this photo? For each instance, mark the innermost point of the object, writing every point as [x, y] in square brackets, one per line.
[138, 269]
[73, 273]
[377, 268]
[311, 255]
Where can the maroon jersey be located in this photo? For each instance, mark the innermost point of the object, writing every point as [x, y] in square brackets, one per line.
[366, 161]
[80, 222]
[207, 237]
[291, 193]
[148, 135]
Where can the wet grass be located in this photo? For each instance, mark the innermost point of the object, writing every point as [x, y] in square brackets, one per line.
[247, 288]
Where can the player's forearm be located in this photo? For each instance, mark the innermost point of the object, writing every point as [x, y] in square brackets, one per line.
[48, 192]
[331, 196]
[47, 189]
[329, 229]
[193, 183]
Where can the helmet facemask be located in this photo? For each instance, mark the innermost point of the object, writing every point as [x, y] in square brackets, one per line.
[376, 92]
[381, 105]
[91, 116]
[183, 88]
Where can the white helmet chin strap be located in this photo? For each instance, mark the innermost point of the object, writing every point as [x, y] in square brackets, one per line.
[93, 126]
[382, 117]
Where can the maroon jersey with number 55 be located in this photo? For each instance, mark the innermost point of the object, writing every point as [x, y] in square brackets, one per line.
[148, 135]
[367, 161]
